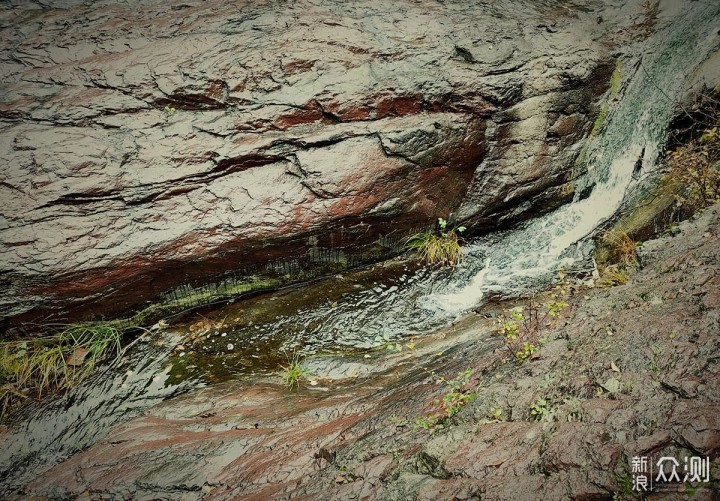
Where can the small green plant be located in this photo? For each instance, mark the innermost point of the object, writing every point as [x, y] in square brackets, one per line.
[521, 326]
[294, 371]
[169, 109]
[427, 423]
[575, 411]
[459, 396]
[624, 480]
[555, 308]
[613, 275]
[442, 247]
[34, 367]
[556, 297]
[525, 353]
[695, 166]
[655, 358]
[496, 415]
[539, 409]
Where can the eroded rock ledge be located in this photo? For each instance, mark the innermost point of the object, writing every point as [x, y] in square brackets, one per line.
[352, 437]
[158, 145]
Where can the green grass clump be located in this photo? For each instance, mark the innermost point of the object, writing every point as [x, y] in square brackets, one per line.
[293, 372]
[33, 367]
[442, 247]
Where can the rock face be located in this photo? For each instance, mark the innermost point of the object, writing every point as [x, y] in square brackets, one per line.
[151, 145]
[628, 371]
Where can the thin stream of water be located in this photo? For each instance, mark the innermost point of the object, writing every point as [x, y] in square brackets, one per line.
[515, 261]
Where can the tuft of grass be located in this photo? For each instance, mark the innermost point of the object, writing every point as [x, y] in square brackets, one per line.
[624, 480]
[441, 247]
[621, 248]
[293, 372]
[613, 275]
[34, 367]
[621, 258]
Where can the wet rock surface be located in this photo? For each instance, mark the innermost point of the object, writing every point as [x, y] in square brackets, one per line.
[628, 371]
[156, 145]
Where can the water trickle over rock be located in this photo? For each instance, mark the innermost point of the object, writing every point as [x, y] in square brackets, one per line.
[184, 145]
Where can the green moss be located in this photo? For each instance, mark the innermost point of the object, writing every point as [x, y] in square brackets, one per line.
[186, 297]
[615, 81]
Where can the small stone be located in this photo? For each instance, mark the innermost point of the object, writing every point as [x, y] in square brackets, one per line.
[612, 385]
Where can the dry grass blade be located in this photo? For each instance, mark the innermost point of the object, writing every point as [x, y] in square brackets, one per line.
[42, 365]
[622, 248]
[441, 249]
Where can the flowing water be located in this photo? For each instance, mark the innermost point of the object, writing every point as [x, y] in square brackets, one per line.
[355, 312]
[367, 309]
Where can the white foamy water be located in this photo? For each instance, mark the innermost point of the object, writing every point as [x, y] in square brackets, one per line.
[541, 246]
